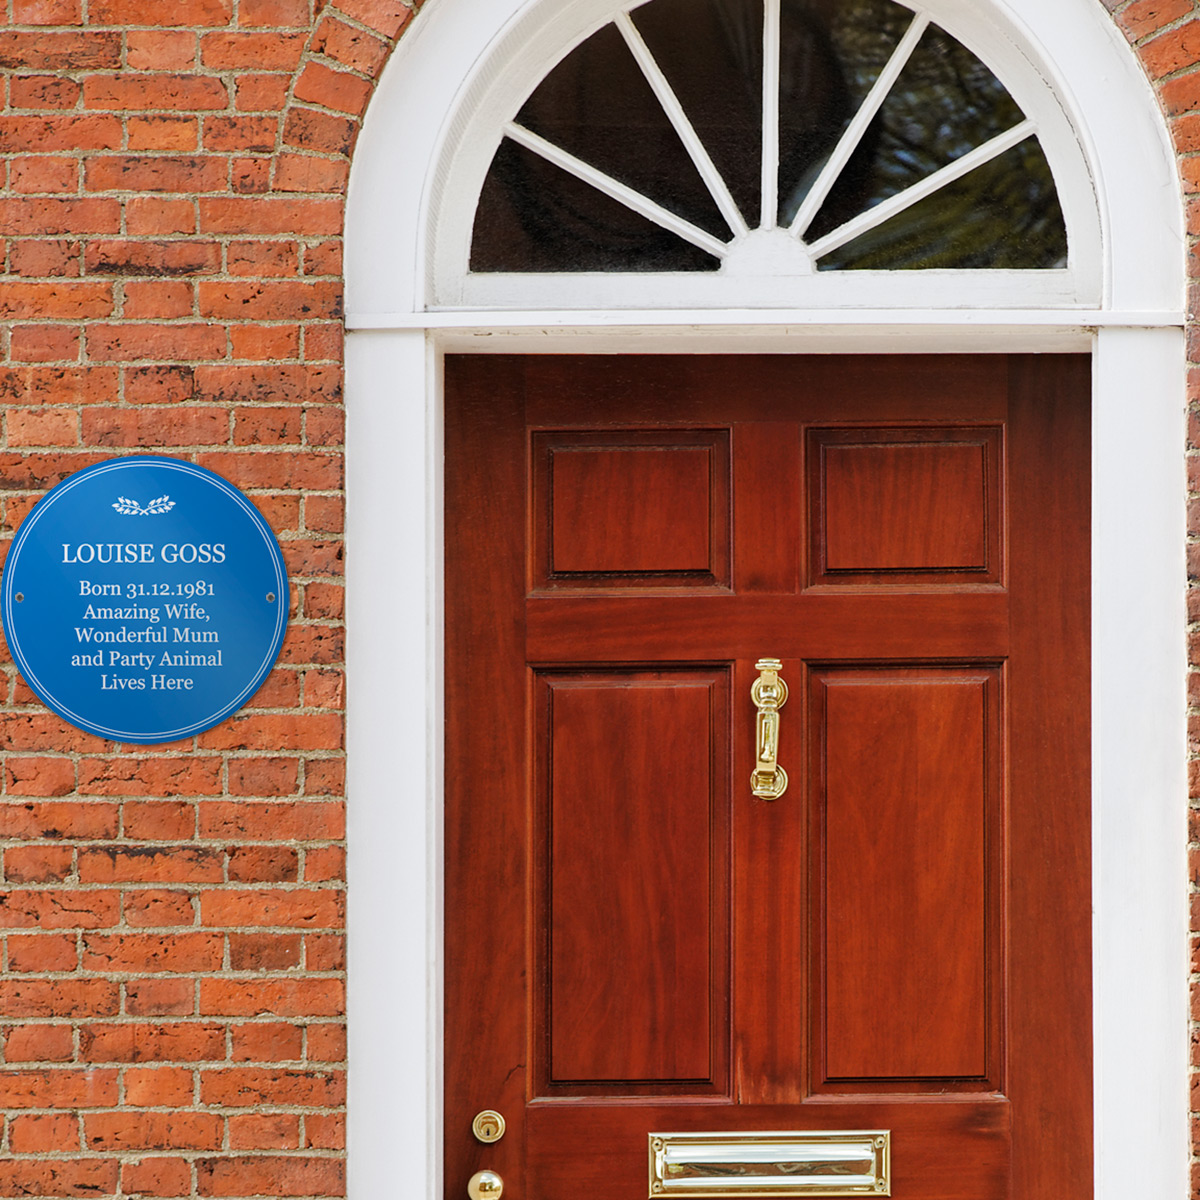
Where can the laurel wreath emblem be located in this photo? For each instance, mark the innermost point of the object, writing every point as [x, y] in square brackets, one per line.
[131, 508]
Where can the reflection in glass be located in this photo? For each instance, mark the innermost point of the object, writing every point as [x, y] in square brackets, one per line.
[644, 149]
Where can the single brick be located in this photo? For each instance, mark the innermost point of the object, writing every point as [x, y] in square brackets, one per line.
[387, 16]
[274, 13]
[37, 1133]
[264, 951]
[239, 215]
[58, 908]
[264, 1131]
[158, 132]
[43, 91]
[159, 298]
[276, 731]
[323, 601]
[173, 952]
[252, 1086]
[327, 1043]
[150, 864]
[159, 1087]
[156, 907]
[60, 299]
[266, 1042]
[58, 1087]
[307, 173]
[278, 997]
[39, 1043]
[43, 343]
[60, 50]
[172, 343]
[160, 997]
[350, 46]
[38, 864]
[150, 92]
[325, 1131]
[39, 953]
[180, 12]
[130, 1042]
[53, 256]
[159, 49]
[152, 777]
[157, 1177]
[167, 820]
[325, 952]
[47, 12]
[298, 908]
[155, 426]
[83, 1177]
[271, 1176]
[153, 1131]
[325, 864]
[32, 175]
[325, 777]
[242, 51]
[242, 134]
[266, 342]
[153, 216]
[263, 776]
[54, 819]
[158, 385]
[265, 864]
[300, 821]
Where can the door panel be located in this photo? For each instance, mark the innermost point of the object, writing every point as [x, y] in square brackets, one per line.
[908, 834]
[635, 943]
[634, 1005]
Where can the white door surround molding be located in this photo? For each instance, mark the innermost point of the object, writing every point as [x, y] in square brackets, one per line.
[1132, 328]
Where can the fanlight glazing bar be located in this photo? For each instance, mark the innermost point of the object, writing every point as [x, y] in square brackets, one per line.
[887, 209]
[858, 126]
[770, 115]
[618, 191]
[682, 126]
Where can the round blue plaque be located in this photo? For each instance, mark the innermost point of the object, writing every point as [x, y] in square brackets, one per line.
[144, 599]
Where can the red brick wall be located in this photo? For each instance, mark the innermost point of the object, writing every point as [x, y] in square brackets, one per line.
[172, 996]
[171, 918]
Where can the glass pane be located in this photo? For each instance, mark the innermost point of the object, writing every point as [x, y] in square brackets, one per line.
[532, 216]
[830, 55]
[711, 54]
[945, 103]
[1004, 214]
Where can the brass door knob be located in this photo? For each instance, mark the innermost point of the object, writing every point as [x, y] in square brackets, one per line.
[485, 1185]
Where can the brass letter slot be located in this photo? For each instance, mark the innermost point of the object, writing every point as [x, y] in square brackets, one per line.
[699, 1165]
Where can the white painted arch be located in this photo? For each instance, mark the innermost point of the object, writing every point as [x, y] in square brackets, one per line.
[1130, 323]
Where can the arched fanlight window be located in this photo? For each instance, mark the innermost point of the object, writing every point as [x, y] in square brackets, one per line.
[687, 135]
[749, 141]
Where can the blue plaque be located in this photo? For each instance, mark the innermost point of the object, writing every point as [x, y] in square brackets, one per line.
[144, 599]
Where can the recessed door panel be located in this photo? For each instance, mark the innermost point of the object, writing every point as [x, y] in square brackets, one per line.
[633, 838]
[908, 818]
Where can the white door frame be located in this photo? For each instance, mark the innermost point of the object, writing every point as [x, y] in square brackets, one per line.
[395, 539]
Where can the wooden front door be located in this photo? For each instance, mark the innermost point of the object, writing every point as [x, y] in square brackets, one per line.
[901, 941]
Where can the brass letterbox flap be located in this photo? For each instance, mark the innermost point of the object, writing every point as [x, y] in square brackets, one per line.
[770, 1164]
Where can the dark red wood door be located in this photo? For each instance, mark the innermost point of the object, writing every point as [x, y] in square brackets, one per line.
[634, 942]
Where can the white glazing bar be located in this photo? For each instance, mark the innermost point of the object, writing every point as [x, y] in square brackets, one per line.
[618, 191]
[884, 211]
[849, 140]
[682, 126]
[770, 115]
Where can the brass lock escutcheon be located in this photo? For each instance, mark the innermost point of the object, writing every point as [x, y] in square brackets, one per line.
[488, 1126]
[769, 693]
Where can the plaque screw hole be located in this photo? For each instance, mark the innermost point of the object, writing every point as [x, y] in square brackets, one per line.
[20, 597]
[270, 597]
